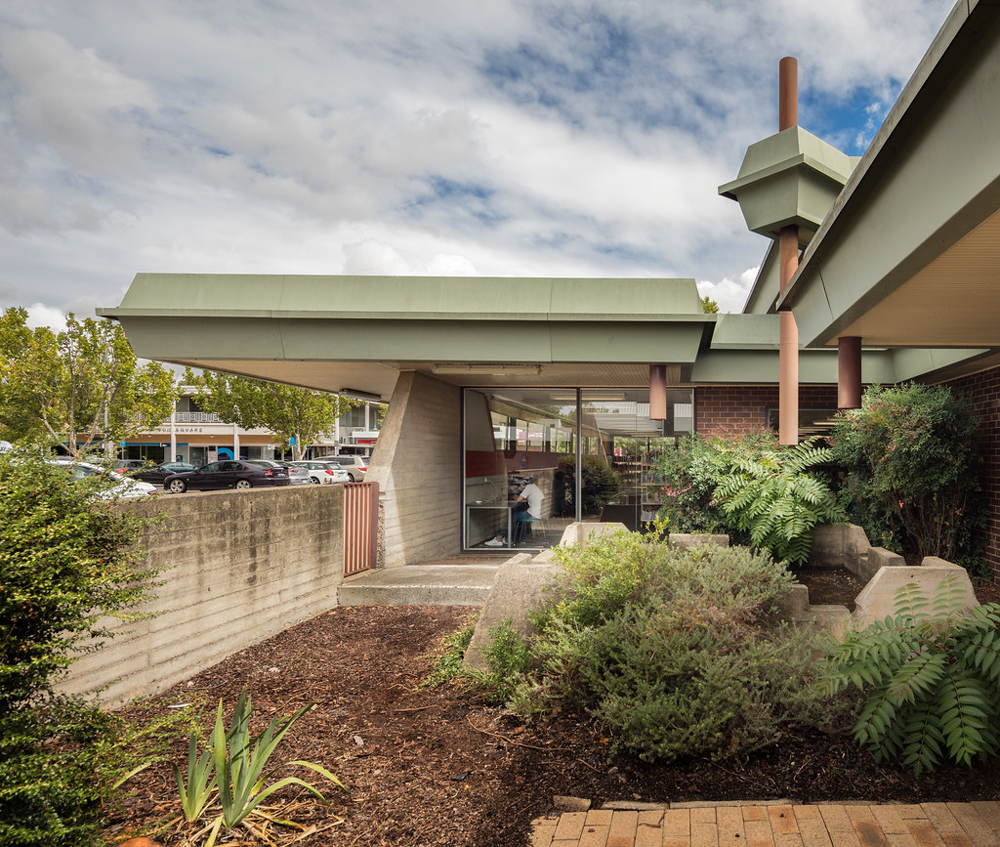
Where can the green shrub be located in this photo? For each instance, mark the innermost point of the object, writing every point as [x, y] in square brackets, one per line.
[677, 652]
[450, 657]
[932, 679]
[912, 468]
[771, 497]
[68, 560]
[750, 488]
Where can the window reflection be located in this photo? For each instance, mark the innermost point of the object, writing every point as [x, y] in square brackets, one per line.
[521, 480]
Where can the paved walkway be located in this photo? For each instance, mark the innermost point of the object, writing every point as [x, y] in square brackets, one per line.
[975, 824]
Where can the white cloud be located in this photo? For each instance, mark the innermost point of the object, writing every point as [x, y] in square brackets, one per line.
[729, 294]
[40, 315]
[500, 138]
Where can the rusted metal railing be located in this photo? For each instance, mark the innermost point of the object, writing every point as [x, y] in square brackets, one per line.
[360, 526]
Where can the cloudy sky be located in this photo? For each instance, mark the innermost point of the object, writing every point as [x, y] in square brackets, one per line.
[469, 137]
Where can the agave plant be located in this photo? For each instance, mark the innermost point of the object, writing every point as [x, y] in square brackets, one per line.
[239, 767]
[932, 676]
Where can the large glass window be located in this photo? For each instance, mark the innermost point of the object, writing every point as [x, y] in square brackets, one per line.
[522, 487]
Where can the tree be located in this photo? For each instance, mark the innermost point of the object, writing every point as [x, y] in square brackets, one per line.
[78, 386]
[913, 469]
[289, 412]
[709, 306]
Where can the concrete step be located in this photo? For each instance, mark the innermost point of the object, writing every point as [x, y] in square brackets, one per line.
[420, 585]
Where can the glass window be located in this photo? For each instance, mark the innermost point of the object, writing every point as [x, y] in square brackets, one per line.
[521, 481]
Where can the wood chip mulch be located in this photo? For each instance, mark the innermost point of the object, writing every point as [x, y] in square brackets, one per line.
[442, 767]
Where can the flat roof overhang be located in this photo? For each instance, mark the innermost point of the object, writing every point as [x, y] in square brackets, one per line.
[355, 334]
[910, 253]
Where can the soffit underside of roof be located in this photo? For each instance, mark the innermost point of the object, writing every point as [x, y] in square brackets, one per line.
[952, 302]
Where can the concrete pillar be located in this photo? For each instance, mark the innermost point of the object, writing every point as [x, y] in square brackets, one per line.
[788, 253]
[788, 344]
[849, 372]
[658, 392]
[418, 467]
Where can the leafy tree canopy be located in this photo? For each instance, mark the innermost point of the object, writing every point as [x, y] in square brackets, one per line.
[709, 306]
[286, 410]
[78, 386]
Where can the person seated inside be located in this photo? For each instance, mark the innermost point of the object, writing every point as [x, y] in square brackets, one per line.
[528, 497]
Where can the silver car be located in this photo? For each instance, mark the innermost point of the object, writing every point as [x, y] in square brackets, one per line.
[322, 473]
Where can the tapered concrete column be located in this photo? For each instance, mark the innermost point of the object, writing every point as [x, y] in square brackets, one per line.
[849, 372]
[658, 392]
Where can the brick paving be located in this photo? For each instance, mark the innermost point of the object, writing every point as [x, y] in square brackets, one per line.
[775, 824]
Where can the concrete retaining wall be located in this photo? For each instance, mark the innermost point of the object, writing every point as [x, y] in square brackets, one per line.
[241, 566]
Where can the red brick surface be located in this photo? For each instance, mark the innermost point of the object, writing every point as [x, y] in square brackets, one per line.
[984, 389]
[732, 409]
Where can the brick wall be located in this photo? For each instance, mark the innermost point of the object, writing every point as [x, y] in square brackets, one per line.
[984, 388]
[240, 566]
[731, 409]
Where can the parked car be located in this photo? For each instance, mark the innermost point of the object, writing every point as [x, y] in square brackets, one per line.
[114, 487]
[356, 466]
[229, 473]
[324, 472]
[296, 476]
[123, 466]
[160, 472]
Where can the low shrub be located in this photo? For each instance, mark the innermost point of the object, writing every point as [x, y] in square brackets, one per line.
[677, 652]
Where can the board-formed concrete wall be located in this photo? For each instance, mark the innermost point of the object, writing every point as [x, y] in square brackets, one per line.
[418, 467]
[241, 566]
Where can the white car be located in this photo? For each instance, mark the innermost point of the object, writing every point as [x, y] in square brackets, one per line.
[118, 487]
[322, 473]
[355, 466]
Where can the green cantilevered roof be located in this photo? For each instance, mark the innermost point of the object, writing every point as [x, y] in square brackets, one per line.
[357, 332]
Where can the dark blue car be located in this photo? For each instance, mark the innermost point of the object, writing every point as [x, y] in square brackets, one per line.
[229, 473]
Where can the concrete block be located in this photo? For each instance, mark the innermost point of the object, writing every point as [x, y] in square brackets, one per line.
[517, 589]
[879, 597]
[579, 532]
[793, 605]
[878, 557]
[687, 540]
[838, 546]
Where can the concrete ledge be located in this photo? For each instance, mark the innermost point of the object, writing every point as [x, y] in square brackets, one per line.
[579, 532]
[687, 540]
[878, 557]
[417, 585]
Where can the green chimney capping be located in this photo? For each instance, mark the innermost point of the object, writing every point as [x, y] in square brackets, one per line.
[792, 178]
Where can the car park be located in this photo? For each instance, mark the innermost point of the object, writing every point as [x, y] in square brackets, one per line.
[356, 466]
[229, 473]
[324, 472]
[113, 486]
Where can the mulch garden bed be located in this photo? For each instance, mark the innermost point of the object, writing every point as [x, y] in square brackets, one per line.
[442, 767]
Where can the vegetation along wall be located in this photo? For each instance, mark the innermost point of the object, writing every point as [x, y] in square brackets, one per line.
[241, 566]
[984, 388]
